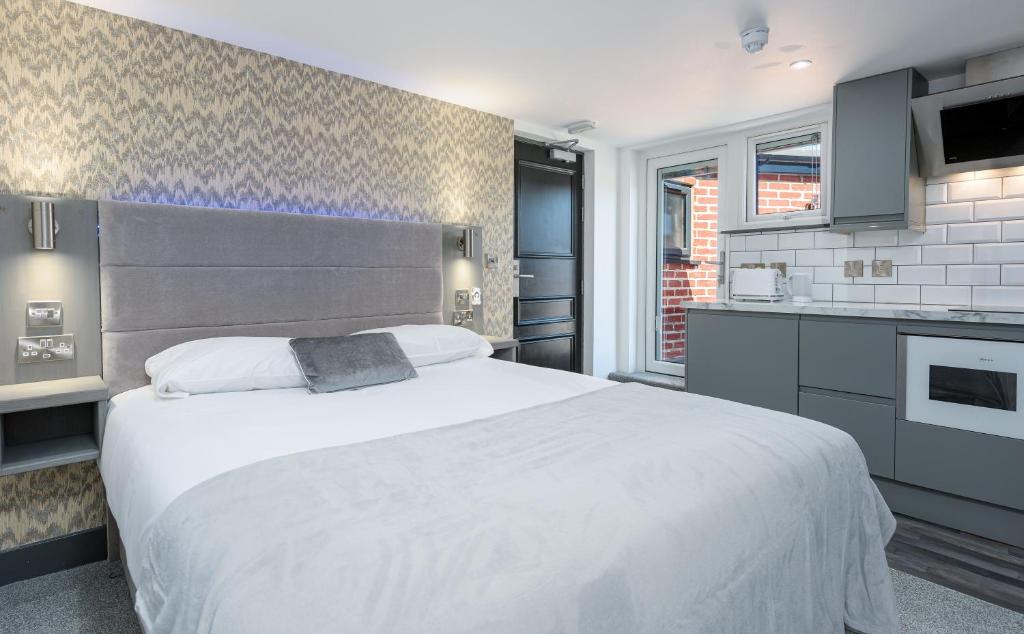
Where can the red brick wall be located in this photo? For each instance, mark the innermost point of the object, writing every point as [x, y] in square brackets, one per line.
[786, 192]
[686, 282]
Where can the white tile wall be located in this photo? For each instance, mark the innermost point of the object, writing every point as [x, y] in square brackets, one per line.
[922, 274]
[975, 189]
[1009, 209]
[1013, 186]
[972, 275]
[971, 253]
[945, 214]
[797, 240]
[1013, 274]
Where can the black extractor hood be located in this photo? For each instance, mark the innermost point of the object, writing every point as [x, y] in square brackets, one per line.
[978, 127]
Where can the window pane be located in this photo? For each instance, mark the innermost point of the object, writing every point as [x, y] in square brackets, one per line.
[687, 250]
[789, 174]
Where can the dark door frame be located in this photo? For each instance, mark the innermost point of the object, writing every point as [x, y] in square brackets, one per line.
[579, 242]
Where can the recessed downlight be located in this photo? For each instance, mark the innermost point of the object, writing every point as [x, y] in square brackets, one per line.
[800, 64]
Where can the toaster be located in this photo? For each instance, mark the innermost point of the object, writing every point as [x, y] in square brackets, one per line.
[758, 285]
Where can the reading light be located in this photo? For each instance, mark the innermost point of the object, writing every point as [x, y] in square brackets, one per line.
[466, 242]
[800, 64]
[42, 226]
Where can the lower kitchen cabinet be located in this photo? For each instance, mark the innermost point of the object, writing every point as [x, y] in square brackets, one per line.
[872, 425]
[748, 359]
[965, 463]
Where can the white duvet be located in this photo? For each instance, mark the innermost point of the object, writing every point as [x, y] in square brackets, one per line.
[627, 510]
[156, 449]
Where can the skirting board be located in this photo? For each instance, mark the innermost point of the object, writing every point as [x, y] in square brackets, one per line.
[978, 518]
[53, 555]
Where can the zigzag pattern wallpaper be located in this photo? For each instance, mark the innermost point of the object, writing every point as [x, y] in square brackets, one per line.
[100, 106]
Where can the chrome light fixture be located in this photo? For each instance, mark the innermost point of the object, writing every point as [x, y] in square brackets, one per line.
[465, 242]
[43, 226]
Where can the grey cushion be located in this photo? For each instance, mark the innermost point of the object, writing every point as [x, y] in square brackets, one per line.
[332, 364]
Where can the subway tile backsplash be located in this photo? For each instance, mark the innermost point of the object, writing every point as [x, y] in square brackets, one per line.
[972, 253]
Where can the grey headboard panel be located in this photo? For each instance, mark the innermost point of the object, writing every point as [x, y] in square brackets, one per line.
[170, 274]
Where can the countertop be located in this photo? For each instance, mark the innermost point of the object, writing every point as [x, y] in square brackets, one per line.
[879, 311]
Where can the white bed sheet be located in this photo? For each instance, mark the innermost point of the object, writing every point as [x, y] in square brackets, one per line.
[156, 449]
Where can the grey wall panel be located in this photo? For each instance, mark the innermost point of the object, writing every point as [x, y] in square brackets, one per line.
[145, 298]
[749, 359]
[151, 235]
[872, 425]
[461, 272]
[70, 273]
[979, 466]
[856, 357]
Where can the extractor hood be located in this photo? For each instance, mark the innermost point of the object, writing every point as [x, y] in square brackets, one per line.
[978, 127]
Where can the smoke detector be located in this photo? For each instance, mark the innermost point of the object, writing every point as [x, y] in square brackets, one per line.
[755, 39]
[578, 127]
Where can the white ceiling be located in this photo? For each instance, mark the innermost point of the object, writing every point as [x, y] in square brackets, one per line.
[644, 69]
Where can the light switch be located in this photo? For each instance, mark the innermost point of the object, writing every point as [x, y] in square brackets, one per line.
[462, 318]
[46, 349]
[44, 314]
[462, 298]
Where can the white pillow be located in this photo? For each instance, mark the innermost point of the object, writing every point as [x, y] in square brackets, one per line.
[224, 364]
[435, 343]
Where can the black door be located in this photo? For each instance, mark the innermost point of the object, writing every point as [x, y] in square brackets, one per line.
[549, 216]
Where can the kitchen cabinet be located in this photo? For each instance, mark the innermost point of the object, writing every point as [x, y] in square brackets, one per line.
[875, 179]
[848, 356]
[871, 423]
[749, 359]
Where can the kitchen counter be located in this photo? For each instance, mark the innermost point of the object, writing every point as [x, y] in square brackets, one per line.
[879, 311]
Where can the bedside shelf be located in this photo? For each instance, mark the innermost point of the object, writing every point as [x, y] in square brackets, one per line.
[51, 423]
[49, 453]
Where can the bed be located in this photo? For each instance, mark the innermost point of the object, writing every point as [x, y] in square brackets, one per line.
[482, 496]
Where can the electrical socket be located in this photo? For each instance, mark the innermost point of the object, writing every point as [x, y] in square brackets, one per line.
[881, 268]
[853, 268]
[46, 349]
[462, 317]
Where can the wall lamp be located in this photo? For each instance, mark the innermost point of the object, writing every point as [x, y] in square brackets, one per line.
[43, 226]
[466, 242]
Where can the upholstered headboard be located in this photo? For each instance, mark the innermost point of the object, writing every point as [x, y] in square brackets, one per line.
[170, 274]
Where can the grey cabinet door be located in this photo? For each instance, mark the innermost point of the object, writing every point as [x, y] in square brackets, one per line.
[847, 356]
[871, 424]
[749, 359]
[966, 463]
[871, 141]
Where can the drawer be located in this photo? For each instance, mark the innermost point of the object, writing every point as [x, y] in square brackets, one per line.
[848, 356]
[965, 463]
[871, 424]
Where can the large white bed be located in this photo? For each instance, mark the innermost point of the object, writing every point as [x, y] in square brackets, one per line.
[480, 496]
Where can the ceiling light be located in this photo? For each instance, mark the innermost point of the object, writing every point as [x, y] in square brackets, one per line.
[800, 64]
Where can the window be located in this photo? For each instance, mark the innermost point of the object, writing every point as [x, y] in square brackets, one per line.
[785, 176]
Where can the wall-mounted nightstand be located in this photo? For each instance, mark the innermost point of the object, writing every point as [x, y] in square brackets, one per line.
[51, 423]
[505, 348]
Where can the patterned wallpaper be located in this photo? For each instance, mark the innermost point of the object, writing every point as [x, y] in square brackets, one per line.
[101, 106]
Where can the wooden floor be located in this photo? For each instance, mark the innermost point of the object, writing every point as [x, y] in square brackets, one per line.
[979, 567]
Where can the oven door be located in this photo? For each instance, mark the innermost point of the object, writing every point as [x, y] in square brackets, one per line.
[970, 384]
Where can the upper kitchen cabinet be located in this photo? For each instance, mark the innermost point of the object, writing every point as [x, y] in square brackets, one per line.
[875, 179]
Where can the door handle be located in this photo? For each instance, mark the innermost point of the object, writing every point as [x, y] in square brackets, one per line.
[524, 276]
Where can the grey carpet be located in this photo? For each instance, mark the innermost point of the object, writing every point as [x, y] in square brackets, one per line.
[94, 598]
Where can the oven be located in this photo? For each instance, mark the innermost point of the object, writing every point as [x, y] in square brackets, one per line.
[971, 384]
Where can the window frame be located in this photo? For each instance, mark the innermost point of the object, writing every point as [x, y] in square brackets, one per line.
[683, 254]
[750, 219]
